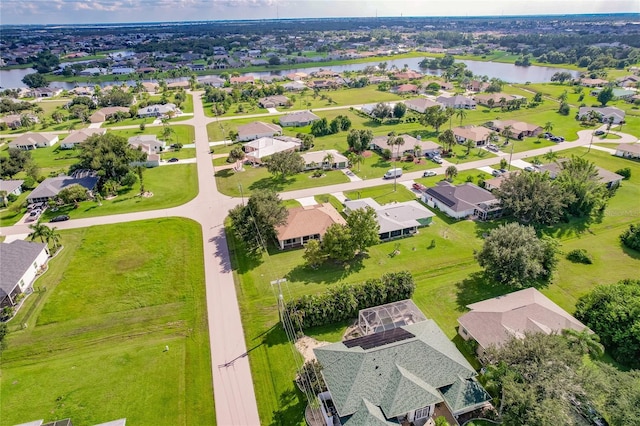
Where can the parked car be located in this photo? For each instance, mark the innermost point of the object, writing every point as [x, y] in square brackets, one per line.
[529, 169]
[496, 173]
[502, 171]
[60, 218]
[599, 132]
[437, 160]
[172, 160]
[492, 147]
[34, 215]
[419, 187]
[429, 173]
[547, 135]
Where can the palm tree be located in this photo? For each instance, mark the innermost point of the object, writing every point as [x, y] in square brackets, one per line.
[469, 144]
[550, 156]
[450, 173]
[139, 171]
[417, 150]
[39, 230]
[588, 342]
[548, 126]
[51, 236]
[447, 138]
[563, 97]
[328, 160]
[461, 113]
[167, 132]
[507, 134]
[395, 141]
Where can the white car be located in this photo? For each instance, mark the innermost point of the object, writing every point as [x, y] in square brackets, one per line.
[437, 160]
[429, 173]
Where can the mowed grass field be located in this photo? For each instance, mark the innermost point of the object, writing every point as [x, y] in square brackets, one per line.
[447, 276]
[94, 346]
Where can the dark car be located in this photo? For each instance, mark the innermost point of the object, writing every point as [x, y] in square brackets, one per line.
[599, 132]
[60, 218]
[172, 160]
[496, 173]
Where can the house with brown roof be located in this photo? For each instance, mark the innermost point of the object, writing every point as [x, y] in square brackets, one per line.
[420, 104]
[273, 101]
[307, 223]
[407, 75]
[405, 89]
[31, 140]
[14, 121]
[519, 129]
[593, 82]
[477, 86]
[77, 137]
[461, 201]
[242, 79]
[494, 321]
[105, 113]
[610, 179]
[257, 130]
[494, 98]
[628, 150]
[427, 148]
[478, 134]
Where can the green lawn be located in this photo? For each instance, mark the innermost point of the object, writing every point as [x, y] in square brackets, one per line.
[171, 186]
[473, 176]
[9, 217]
[93, 348]
[184, 133]
[50, 158]
[258, 179]
[383, 194]
[447, 278]
[527, 144]
[184, 153]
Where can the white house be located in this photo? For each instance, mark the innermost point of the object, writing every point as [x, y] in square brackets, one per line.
[298, 119]
[11, 186]
[28, 141]
[607, 113]
[77, 137]
[148, 143]
[158, 110]
[257, 130]
[318, 159]
[258, 150]
[21, 263]
[421, 104]
[457, 102]
[628, 150]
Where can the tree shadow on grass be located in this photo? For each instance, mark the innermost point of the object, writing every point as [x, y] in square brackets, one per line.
[292, 405]
[477, 287]
[630, 252]
[271, 183]
[327, 273]
[240, 259]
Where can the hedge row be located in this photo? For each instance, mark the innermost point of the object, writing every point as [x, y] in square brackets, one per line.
[343, 302]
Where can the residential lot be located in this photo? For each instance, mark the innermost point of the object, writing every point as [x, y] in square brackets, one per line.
[94, 345]
[447, 278]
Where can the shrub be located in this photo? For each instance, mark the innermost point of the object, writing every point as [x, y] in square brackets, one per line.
[309, 378]
[580, 256]
[343, 302]
[626, 172]
[631, 237]
[386, 154]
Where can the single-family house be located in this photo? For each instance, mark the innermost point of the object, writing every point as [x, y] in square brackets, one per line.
[244, 79]
[610, 179]
[122, 70]
[593, 82]
[407, 75]
[77, 137]
[628, 81]
[616, 115]
[420, 104]
[494, 99]
[628, 150]
[396, 220]
[104, 114]
[148, 143]
[456, 102]
[477, 86]
[257, 130]
[184, 84]
[407, 373]
[14, 121]
[294, 86]
[496, 182]
[83, 91]
[150, 87]
[298, 119]
[519, 129]
[618, 93]
[307, 223]
[427, 148]
[273, 101]
[212, 80]
[328, 159]
[31, 140]
[13, 186]
[297, 76]
[259, 149]
[45, 92]
[51, 187]
[460, 201]
[323, 84]
[405, 89]
[478, 134]
[158, 110]
[21, 263]
[492, 322]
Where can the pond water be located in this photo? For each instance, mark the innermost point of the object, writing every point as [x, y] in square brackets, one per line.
[506, 72]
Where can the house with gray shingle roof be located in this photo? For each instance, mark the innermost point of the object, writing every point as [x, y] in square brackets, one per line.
[462, 201]
[51, 187]
[30, 140]
[397, 375]
[11, 186]
[21, 263]
[396, 220]
[298, 119]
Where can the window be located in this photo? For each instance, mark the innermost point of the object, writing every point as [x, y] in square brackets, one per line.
[423, 412]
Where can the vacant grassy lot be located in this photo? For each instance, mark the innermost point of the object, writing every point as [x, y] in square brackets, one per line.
[383, 194]
[184, 133]
[171, 186]
[259, 179]
[447, 278]
[93, 348]
[51, 159]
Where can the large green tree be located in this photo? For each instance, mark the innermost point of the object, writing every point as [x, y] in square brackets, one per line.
[580, 178]
[533, 198]
[613, 312]
[35, 80]
[109, 155]
[363, 228]
[283, 164]
[255, 223]
[434, 116]
[359, 140]
[337, 243]
[605, 95]
[17, 161]
[513, 255]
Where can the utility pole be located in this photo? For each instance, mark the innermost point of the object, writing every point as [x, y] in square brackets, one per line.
[281, 306]
[241, 193]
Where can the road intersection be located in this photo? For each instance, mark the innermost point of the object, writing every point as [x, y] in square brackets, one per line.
[235, 400]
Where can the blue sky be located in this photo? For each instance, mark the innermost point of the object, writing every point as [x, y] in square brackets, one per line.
[98, 11]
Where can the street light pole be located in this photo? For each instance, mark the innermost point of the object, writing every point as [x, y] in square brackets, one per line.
[511, 154]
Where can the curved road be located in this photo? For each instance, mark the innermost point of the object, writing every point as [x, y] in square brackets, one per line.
[234, 395]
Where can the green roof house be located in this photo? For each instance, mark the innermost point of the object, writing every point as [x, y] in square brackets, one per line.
[397, 376]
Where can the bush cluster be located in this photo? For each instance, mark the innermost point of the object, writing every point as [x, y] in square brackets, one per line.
[580, 256]
[343, 302]
[631, 237]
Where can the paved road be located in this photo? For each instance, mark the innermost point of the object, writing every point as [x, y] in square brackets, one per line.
[233, 387]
